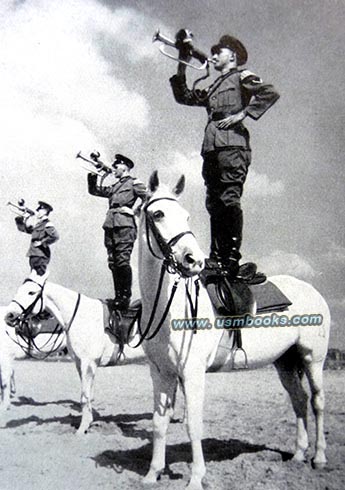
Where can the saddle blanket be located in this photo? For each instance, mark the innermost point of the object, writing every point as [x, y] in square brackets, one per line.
[269, 297]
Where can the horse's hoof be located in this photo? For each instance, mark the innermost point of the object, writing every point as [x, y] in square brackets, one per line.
[151, 477]
[194, 486]
[81, 432]
[318, 466]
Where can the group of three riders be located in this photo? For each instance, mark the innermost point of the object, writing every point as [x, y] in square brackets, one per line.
[235, 94]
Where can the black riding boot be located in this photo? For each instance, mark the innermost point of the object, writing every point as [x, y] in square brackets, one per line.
[116, 282]
[124, 293]
[230, 240]
[214, 261]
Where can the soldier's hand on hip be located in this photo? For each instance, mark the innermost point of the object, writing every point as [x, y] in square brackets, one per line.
[231, 120]
[37, 243]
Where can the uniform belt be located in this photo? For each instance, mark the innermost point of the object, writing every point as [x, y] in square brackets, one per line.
[217, 116]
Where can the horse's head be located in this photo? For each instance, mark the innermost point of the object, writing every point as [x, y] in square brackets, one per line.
[167, 229]
[28, 301]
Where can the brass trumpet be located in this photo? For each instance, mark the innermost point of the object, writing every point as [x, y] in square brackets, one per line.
[183, 40]
[20, 209]
[101, 168]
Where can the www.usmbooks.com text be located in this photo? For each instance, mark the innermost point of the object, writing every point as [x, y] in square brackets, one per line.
[247, 321]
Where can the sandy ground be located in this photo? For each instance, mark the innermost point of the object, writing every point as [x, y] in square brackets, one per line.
[248, 437]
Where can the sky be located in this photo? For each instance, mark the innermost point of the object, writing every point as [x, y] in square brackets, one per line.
[84, 75]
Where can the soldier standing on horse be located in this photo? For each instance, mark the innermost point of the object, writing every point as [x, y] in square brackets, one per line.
[234, 95]
[43, 234]
[120, 229]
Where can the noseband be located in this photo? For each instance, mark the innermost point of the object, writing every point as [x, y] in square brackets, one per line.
[164, 246]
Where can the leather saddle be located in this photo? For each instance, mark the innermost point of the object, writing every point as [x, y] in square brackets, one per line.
[237, 296]
[39, 324]
[231, 296]
[120, 323]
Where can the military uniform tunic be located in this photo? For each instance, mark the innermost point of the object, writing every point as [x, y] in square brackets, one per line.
[120, 230]
[41, 230]
[226, 152]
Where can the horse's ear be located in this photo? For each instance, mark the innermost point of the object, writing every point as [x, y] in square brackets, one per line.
[154, 181]
[178, 189]
[37, 278]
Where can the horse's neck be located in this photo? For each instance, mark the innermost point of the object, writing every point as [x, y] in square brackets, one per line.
[60, 302]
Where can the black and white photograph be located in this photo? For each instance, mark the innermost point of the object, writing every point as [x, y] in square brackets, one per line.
[172, 245]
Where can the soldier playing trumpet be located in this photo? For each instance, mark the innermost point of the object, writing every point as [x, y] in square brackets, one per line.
[235, 95]
[43, 234]
[120, 230]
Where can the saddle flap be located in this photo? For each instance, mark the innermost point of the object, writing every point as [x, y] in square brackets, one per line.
[121, 323]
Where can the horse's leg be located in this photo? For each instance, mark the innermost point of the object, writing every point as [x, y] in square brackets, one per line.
[164, 393]
[291, 378]
[5, 380]
[314, 372]
[194, 388]
[13, 384]
[86, 369]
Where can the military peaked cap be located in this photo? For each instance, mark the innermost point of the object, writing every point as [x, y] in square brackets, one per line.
[235, 45]
[122, 159]
[45, 205]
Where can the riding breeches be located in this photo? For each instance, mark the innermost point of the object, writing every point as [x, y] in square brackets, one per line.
[119, 242]
[39, 264]
[225, 173]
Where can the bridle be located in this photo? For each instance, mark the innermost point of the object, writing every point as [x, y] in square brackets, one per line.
[169, 265]
[28, 310]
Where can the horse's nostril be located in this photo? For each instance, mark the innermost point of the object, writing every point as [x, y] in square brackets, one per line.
[9, 318]
[189, 259]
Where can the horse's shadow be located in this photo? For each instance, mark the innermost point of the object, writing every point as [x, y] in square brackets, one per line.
[125, 422]
[216, 450]
[24, 400]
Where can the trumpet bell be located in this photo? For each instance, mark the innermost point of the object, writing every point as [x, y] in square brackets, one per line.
[163, 39]
[183, 36]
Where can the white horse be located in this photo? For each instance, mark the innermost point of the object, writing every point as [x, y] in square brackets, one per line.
[82, 318]
[7, 353]
[184, 355]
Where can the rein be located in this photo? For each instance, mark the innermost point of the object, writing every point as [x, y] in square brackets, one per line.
[169, 265]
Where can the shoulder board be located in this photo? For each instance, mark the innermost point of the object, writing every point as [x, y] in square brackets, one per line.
[49, 224]
[137, 181]
[246, 74]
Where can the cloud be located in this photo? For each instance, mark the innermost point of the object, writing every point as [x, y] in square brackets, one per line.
[280, 262]
[54, 75]
[188, 164]
[260, 185]
[60, 93]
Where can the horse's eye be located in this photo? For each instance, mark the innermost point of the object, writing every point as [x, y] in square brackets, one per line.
[158, 215]
[31, 293]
